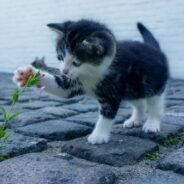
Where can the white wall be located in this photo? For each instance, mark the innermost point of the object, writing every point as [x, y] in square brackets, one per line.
[24, 35]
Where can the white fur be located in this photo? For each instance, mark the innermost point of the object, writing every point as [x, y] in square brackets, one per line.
[87, 73]
[46, 79]
[155, 106]
[139, 108]
[91, 75]
[155, 112]
[67, 62]
[101, 133]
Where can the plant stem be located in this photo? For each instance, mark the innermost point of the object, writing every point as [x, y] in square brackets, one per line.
[32, 80]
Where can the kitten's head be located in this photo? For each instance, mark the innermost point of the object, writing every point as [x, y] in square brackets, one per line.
[84, 47]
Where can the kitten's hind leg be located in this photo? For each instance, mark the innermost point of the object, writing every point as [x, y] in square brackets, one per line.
[139, 108]
[155, 112]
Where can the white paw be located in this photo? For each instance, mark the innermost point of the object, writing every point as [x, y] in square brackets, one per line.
[22, 74]
[129, 123]
[98, 138]
[151, 126]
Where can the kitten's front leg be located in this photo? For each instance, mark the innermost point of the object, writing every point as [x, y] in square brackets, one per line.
[59, 86]
[102, 131]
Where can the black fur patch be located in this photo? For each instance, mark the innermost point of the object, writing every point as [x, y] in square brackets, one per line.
[100, 41]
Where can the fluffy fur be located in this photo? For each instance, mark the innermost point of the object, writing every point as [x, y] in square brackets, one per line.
[95, 63]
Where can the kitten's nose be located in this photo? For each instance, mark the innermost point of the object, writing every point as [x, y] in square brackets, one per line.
[65, 71]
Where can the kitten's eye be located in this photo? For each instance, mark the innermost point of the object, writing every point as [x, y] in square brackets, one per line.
[59, 54]
[76, 64]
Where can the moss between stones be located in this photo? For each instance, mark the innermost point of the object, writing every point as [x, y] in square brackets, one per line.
[3, 157]
[152, 156]
[172, 141]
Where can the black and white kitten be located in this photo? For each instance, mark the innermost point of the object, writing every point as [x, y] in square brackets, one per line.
[93, 62]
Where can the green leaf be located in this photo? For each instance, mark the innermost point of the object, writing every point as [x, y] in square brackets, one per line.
[6, 138]
[4, 113]
[6, 130]
[13, 116]
[16, 95]
[34, 79]
[2, 132]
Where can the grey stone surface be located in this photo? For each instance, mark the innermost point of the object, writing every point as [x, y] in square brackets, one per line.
[167, 130]
[40, 168]
[173, 102]
[55, 130]
[123, 114]
[4, 102]
[176, 108]
[7, 107]
[19, 144]
[1, 117]
[174, 161]
[80, 107]
[65, 101]
[33, 105]
[174, 119]
[90, 118]
[58, 120]
[174, 105]
[120, 151]
[30, 117]
[29, 97]
[60, 112]
[156, 177]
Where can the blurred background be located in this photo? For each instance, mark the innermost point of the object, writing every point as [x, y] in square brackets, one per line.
[24, 35]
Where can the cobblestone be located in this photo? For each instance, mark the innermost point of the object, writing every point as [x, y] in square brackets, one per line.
[174, 161]
[157, 177]
[53, 169]
[121, 150]
[19, 144]
[57, 129]
[167, 130]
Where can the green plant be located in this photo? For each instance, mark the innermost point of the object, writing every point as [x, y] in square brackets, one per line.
[171, 141]
[3, 157]
[5, 132]
[152, 156]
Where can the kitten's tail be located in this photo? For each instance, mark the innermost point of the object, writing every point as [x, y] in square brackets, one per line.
[148, 36]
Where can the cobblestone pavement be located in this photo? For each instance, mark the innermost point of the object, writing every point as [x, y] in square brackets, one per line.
[48, 144]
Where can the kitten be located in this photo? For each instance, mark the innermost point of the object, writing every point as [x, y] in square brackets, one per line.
[93, 62]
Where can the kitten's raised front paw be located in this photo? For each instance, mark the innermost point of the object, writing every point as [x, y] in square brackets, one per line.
[22, 74]
[97, 138]
[151, 126]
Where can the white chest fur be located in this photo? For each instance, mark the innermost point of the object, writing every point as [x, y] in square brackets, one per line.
[94, 74]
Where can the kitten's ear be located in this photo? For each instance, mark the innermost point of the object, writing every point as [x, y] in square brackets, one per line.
[60, 28]
[56, 27]
[93, 47]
